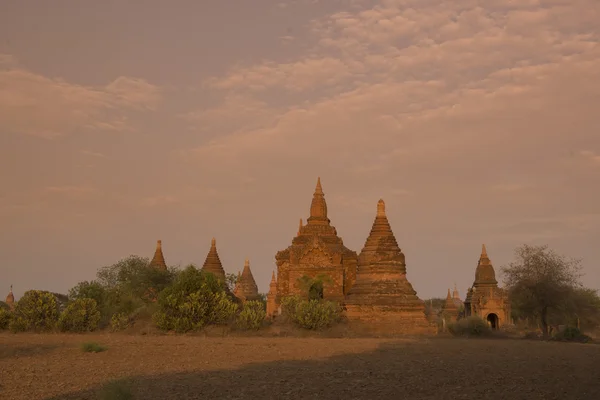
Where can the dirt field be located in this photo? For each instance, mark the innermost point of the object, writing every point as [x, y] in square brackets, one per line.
[178, 367]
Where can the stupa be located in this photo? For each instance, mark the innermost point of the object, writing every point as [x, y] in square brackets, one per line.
[382, 294]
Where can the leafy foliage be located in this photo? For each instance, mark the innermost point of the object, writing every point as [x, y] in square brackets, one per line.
[81, 315]
[5, 317]
[195, 299]
[311, 314]
[470, 326]
[571, 334]
[4, 306]
[252, 316]
[134, 276]
[314, 287]
[36, 311]
[92, 347]
[119, 322]
[545, 287]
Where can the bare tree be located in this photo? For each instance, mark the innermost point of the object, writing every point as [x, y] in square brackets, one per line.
[540, 281]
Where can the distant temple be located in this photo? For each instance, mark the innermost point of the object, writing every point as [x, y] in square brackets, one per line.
[10, 299]
[485, 298]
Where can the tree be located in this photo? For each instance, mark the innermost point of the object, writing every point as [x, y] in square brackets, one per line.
[231, 281]
[541, 282]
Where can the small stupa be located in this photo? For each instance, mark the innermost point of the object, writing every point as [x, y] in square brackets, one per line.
[271, 297]
[246, 288]
[10, 299]
[158, 261]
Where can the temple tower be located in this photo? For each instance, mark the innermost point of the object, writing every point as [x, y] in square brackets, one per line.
[382, 294]
[485, 298]
[246, 288]
[271, 303]
[213, 265]
[316, 253]
[450, 309]
[158, 261]
[10, 299]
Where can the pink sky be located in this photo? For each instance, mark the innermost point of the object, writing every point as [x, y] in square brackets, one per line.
[126, 122]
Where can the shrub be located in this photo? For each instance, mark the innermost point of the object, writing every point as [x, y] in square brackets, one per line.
[91, 347]
[119, 322]
[35, 311]
[81, 315]
[311, 314]
[252, 316]
[571, 334]
[5, 317]
[195, 299]
[470, 326]
[115, 390]
[194, 311]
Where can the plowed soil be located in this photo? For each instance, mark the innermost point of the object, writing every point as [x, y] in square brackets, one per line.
[183, 367]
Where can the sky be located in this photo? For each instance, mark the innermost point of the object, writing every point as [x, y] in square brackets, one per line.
[122, 123]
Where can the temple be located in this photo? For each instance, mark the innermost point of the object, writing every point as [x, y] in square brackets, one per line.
[485, 298]
[158, 261]
[318, 255]
[382, 294]
[245, 288]
[10, 299]
[212, 263]
[271, 298]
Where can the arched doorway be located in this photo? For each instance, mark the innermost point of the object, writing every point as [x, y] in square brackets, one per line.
[493, 320]
[315, 292]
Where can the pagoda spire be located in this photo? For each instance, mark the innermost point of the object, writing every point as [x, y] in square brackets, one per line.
[10, 299]
[213, 262]
[318, 207]
[483, 251]
[158, 261]
[246, 288]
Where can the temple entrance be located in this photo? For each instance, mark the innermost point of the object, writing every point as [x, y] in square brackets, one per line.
[493, 320]
[316, 291]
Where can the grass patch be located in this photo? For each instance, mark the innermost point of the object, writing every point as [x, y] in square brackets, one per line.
[91, 347]
[115, 390]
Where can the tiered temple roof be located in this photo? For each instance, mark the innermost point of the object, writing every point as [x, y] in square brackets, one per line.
[381, 274]
[246, 288]
[158, 261]
[381, 291]
[213, 262]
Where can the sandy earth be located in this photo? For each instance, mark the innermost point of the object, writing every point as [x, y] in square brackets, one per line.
[182, 367]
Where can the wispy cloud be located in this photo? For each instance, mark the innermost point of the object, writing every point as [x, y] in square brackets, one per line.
[51, 107]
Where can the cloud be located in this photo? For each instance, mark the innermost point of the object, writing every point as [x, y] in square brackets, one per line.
[50, 107]
[591, 156]
[421, 78]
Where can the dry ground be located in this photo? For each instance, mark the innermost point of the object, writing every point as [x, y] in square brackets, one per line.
[183, 367]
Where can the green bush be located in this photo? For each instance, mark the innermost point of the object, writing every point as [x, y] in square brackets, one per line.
[5, 317]
[571, 334]
[35, 311]
[470, 326]
[120, 322]
[311, 314]
[91, 347]
[81, 315]
[252, 316]
[195, 299]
